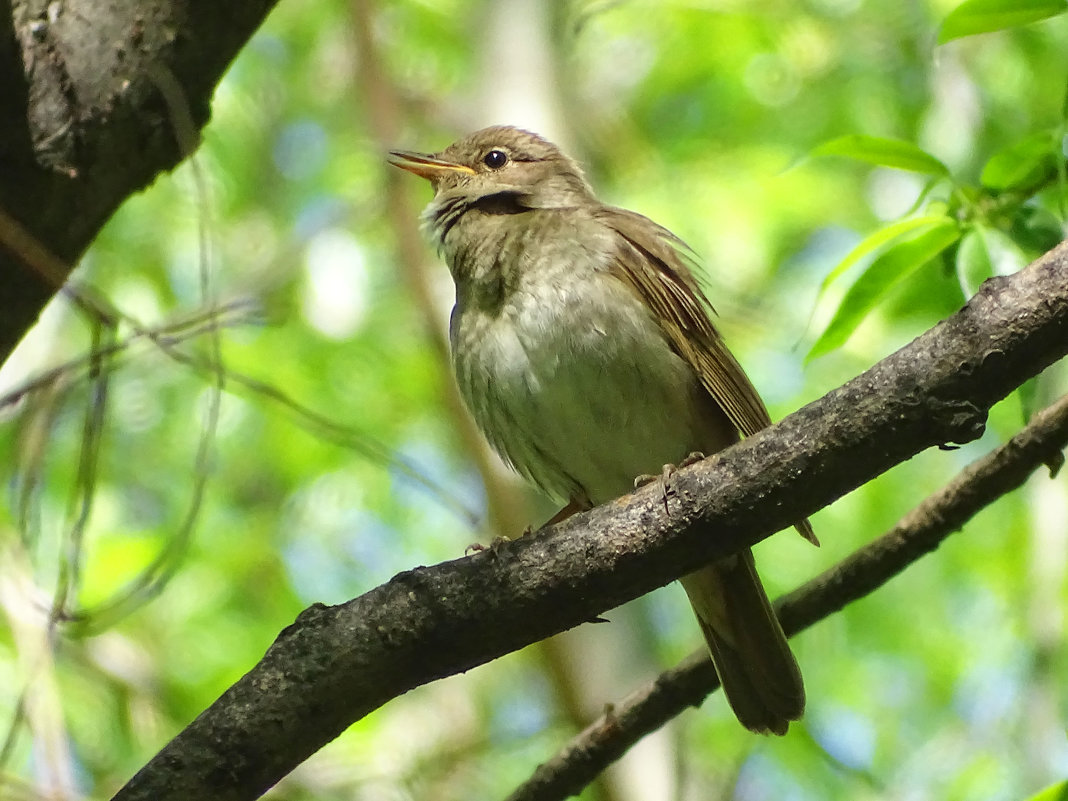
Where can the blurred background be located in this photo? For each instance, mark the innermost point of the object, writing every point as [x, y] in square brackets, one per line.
[277, 426]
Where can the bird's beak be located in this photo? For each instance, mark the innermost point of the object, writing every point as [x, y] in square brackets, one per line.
[425, 165]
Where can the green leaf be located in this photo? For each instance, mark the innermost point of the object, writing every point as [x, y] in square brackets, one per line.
[1022, 165]
[894, 153]
[876, 240]
[974, 263]
[983, 16]
[1027, 395]
[1057, 792]
[1036, 229]
[983, 253]
[892, 267]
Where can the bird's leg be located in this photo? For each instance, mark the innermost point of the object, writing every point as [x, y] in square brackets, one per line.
[664, 479]
[666, 473]
[610, 720]
[693, 458]
[573, 507]
[495, 543]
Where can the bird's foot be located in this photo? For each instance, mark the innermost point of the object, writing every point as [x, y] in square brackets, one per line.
[693, 458]
[665, 476]
[608, 717]
[495, 544]
[644, 480]
[664, 480]
[573, 507]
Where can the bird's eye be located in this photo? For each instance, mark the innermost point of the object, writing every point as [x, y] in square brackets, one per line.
[495, 159]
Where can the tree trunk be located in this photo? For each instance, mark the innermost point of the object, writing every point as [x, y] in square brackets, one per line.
[97, 98]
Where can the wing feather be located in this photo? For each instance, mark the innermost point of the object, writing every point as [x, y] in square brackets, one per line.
[683, 312]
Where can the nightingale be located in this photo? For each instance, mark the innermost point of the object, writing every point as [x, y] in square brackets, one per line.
[584, 350]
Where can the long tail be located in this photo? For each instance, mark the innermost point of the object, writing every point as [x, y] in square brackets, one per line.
[759, 674]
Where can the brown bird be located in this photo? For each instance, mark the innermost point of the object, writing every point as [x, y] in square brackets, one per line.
[584, 349]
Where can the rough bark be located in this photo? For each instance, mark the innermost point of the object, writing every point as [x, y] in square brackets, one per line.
[97, 98]
[336, 664]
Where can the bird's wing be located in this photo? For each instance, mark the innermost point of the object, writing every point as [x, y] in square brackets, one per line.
[650, 260]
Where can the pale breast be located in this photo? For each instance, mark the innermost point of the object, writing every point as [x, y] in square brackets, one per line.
[574, 384]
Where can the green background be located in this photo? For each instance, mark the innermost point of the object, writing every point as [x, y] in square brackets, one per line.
[334, 459]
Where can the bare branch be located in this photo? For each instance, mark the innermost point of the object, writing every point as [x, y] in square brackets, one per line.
[336, 664]
[1004, 469]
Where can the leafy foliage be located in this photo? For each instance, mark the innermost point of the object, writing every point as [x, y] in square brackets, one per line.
[270, 427]
[982, 16]
[1014, 212]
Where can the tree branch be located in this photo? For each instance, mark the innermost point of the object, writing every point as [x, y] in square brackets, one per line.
[336, 664]
[918, 533]
[97, 99]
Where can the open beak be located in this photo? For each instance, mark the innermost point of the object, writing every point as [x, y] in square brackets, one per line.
[426, 166]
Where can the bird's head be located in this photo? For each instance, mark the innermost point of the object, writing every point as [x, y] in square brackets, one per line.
[500, 162]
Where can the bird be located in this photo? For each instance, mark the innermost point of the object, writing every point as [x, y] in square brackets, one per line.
[585, 351]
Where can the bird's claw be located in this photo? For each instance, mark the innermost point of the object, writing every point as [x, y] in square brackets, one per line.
[664, 479]
[644, 480]
[611, 720]
[692, 458]
[495, 544]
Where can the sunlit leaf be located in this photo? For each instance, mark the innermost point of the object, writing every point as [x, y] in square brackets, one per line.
[1056, 792]
[983, 16]
[1027, 395]
[973, 263]
[876, 240]
[992, 252]
[894, 153]
[879, 278]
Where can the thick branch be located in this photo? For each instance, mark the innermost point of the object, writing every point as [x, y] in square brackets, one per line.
[336, 664]
[918, 533]
[97, 98]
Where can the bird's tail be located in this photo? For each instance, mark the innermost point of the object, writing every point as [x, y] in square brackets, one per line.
[759, 674]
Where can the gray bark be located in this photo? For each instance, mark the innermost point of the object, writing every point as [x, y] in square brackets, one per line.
[97, 97]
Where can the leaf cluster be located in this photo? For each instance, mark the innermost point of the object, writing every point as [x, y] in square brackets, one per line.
[1015, 211]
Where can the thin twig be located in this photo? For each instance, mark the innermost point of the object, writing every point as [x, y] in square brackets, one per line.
[169, 336]
[37, 257]
[84, 490]
[235, 313]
